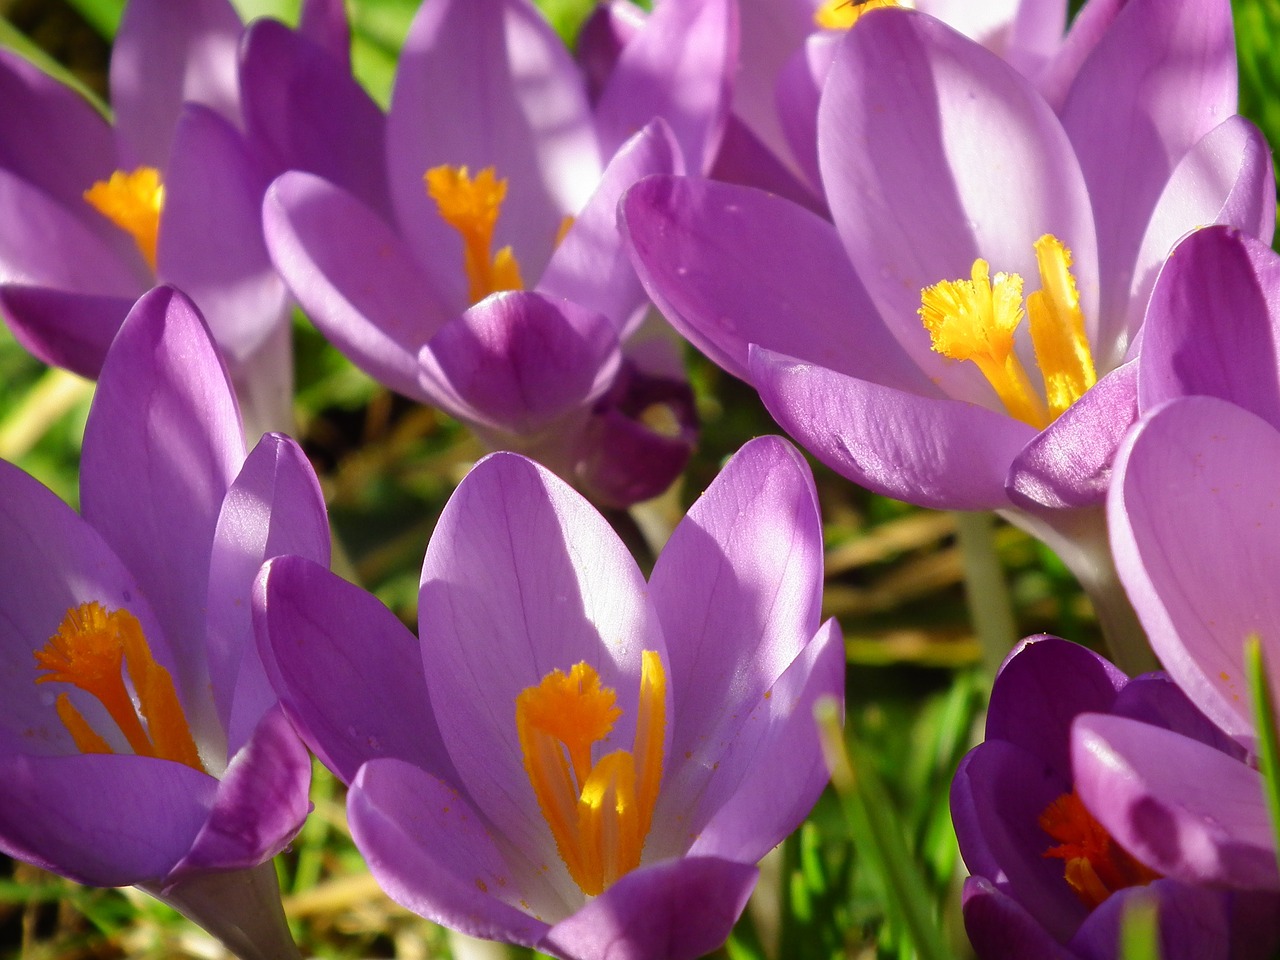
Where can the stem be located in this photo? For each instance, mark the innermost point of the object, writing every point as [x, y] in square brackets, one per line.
[990, 606]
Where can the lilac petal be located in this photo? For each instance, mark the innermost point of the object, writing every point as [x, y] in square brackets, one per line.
[488, 83]
[211, 242]
[678, 910]
[934, 153]
[42, 243]
[522, 577]
[591, 266]
[609, 27]
[1223, 281]
[305, 111]
[517, 361]
[678, 67]
[738, 589]
[347, 672]
[1226, 178]
[997, 797]
[53, 562]
[260, 804]
[273, 507]
[1087, 28]
[724, 263]
[1155, 699]
[328, 246]
[1041, 688]
[1193, 922]
[324, 23]
[1000, 928]
[263, 382]
[788, 770]
[768, 35]
[799, 90]
[165, 55]
[932, 452]
[1211, 828]
[162, 444]
[1068, 464]
[745, 160]
[52, 136]
[1132, 119]
[1033, 36]
[431, 853]
[1194, 527]
[69, 330]
[100, 819]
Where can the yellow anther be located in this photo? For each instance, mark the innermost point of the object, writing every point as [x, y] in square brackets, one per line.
[1057, 328]
[471, 206]
[843, 14]
[94, 649]
[133, 202]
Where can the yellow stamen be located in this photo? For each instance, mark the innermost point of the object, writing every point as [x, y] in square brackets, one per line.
[133, 202]
[843, 14]
[471, 206]
[94, 649]
[1095, 866]
[1057, 328]
[599, 813]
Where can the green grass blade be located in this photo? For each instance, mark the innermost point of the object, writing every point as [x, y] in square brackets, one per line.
[1265, 720]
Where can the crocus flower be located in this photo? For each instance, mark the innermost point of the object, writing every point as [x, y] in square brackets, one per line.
[888, 343]
[1050, 882]
[498, 289]
[569, 757]
[96, 212]
[141, 741]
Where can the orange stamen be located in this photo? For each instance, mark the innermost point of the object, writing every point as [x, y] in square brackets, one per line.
[1095, 865]
[133, 202]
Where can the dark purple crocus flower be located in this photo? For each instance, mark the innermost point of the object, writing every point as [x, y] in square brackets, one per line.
[889, 342]
[140, 742]
[1049, 881]
[568, 757]
[497, 287]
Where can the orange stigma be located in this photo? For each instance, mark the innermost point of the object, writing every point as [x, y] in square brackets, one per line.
[94, 649]
[1095, 865]
[471, 206]
[133, 202]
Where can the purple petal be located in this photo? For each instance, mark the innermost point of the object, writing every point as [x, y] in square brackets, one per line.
[607, 29]
[303, 108]
[799, 91]
[1087, 28]
[1000, 928]
[1193, 922]
[522, 577]
[724, 263]
[1155, 699]
[934, 152]
[99, 819]
[488, 83]
[1132, 119]
[347, 672]
[1223, 281]
[260, 804]
[745, 160]
[1068, 464]
[355, 278]
[517, 361]
[932, 452]
[69, 330]
[679, 910]
[211, 242]
[678, 67]
[324, 23]
[1210, 828]
[431, 853]
[162, 444]
[1194, 528]
[591, 266]
[768, 35]
[167, 54]
[273, 507]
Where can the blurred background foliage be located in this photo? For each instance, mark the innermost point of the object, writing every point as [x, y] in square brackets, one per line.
[874, 871]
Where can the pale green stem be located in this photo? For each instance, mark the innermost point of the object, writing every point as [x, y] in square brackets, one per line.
[990, 606]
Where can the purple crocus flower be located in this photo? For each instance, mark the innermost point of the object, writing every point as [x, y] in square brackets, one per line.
[497, 288]
[96, 213]
[953, 185]
[569, 757]
[140, 742]
[1050, 882]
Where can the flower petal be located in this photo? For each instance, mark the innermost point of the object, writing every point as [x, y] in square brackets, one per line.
[1193, 923]
[932, 452]
[69, 330]
[1000, 928]
[799, 92]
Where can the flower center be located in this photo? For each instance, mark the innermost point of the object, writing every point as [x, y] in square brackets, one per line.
[975, 320]
[132, 201]
[94, 649]
[1095, 865]
[599, 812]
[471, 206]
[843, 14]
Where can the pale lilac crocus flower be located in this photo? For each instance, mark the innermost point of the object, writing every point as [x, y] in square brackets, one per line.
[97, 211]
[568, 757]
[140, 742]
[497, 288]
[954, 185]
